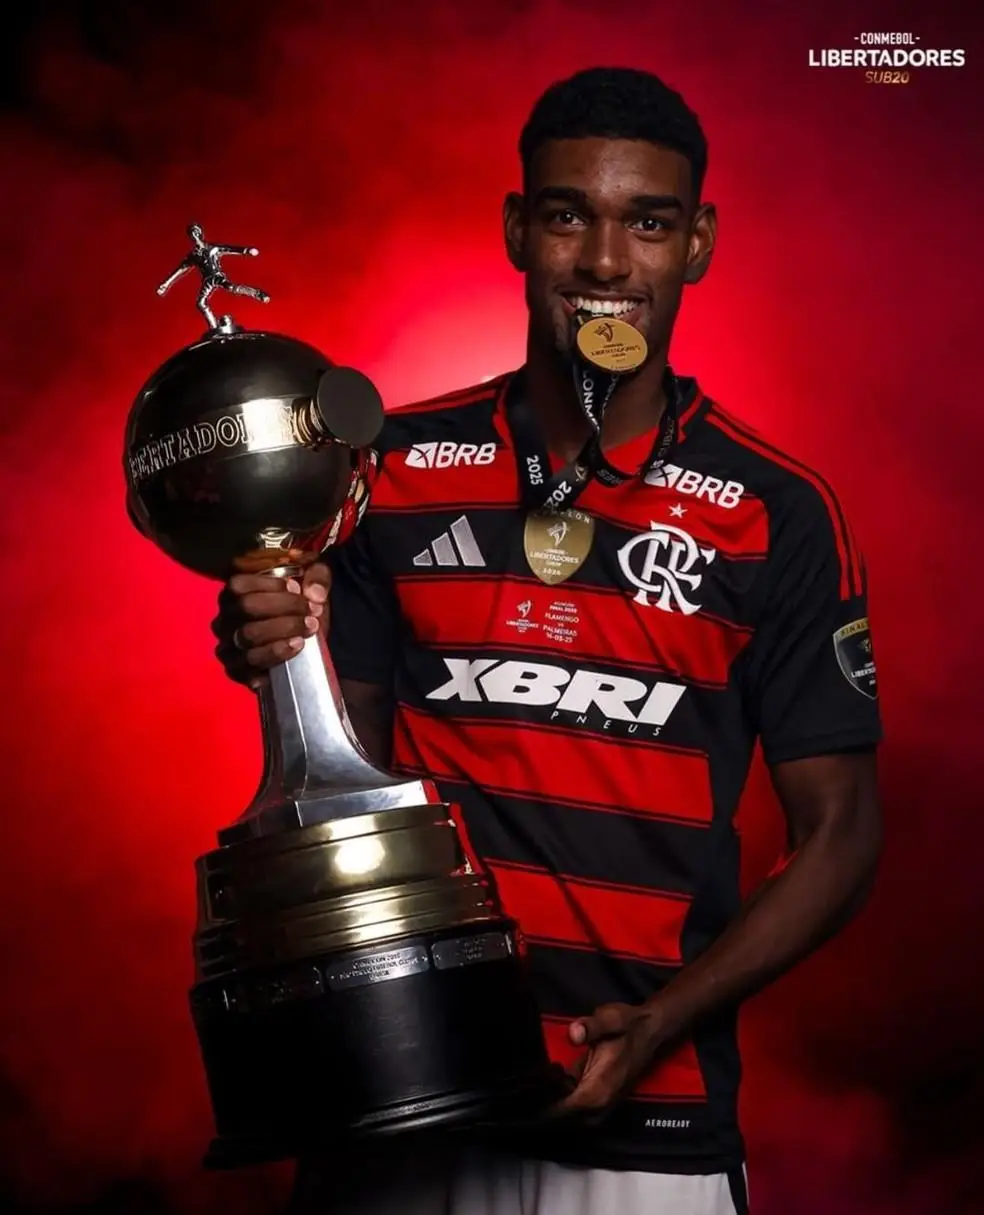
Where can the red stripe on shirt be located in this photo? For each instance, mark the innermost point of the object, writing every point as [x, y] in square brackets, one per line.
[684, 419]
[542, 761]
[401, 486]
[676, 1077]
[850, 580]
[605, 626]
[559, 910]
[740, 531]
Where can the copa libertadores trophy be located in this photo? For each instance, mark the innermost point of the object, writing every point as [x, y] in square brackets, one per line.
[354, 975]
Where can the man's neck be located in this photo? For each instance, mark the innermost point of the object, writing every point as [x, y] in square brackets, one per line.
[635, 408]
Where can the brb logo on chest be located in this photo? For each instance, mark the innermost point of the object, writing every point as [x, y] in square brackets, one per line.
[580, 697]
[450, 455]
[666, 567]
[726, 494]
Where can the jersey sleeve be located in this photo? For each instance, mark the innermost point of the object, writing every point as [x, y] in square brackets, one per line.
[364, 616]
[364, 619]
[812, 680]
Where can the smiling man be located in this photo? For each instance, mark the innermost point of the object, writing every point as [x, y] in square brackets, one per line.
[576, 602]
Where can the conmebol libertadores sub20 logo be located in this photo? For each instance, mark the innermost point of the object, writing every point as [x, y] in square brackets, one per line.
[887, 57]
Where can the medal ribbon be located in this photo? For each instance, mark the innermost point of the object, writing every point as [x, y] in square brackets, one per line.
[552, 493]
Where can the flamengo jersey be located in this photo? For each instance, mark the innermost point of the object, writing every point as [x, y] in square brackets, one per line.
[595, 734]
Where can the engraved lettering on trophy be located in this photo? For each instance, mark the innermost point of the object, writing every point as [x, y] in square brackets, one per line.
[466, 951]
[305, 983]
[377, 967]
[207, 260]
[262, 425]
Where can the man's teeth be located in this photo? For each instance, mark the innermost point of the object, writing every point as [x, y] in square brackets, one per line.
[603, 307]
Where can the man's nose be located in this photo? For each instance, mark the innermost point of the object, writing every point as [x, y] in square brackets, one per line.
[605, 252]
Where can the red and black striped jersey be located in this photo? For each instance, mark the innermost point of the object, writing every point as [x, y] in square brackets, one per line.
[587, 691]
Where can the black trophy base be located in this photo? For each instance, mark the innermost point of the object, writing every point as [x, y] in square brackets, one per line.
[429, 1033]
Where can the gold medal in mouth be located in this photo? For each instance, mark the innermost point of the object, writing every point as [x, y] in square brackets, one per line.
[611, 344]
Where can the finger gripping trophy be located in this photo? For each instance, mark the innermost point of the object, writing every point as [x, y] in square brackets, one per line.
[354, 976]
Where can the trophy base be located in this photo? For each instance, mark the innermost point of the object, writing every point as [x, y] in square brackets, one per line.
[455, 1112]
[427, 1032]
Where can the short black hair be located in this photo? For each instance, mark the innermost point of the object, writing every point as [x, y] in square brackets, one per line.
[616, 103]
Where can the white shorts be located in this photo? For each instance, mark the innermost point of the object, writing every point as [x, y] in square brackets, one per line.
[481, 1182]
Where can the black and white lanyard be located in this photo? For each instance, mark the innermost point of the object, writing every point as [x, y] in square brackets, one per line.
[544, 491]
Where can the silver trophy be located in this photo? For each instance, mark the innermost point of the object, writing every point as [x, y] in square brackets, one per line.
[354, 976]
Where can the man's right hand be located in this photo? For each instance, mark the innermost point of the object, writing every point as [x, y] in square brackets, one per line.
[263, 620]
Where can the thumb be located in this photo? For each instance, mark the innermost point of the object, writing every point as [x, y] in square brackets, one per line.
[605, 1022]
[316, 582]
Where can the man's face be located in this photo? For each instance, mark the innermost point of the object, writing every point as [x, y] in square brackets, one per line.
[607, 226]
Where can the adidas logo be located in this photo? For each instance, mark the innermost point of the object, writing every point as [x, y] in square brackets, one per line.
[456, 546]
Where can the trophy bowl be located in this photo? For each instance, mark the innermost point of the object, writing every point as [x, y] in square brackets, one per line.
[234, 438]
[353, 975]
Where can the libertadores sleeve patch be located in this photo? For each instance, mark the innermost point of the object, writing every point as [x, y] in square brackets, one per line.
[855, 657]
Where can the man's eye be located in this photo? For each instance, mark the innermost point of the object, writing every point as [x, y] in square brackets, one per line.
[651, 223]
[565, 218]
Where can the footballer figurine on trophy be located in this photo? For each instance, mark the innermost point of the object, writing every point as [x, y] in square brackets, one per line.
[207, 260]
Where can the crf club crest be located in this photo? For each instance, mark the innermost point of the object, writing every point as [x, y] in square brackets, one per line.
[855, 657]
[664, 563]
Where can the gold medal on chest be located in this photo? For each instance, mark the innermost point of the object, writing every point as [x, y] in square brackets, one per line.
[557, 545]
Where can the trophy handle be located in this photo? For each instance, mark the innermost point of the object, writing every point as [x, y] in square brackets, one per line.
[314, 767]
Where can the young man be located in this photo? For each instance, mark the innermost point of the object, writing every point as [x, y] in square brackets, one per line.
[580, 642]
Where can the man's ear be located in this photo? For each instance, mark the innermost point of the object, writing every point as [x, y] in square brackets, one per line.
[703, 236]
[514, 230]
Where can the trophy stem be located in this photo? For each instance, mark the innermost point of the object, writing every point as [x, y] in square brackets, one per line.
[308, 735]
[314, 767]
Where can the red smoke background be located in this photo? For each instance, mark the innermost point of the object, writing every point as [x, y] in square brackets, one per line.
[365, 148]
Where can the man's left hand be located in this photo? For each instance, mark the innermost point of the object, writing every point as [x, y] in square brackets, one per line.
[622, 1040]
